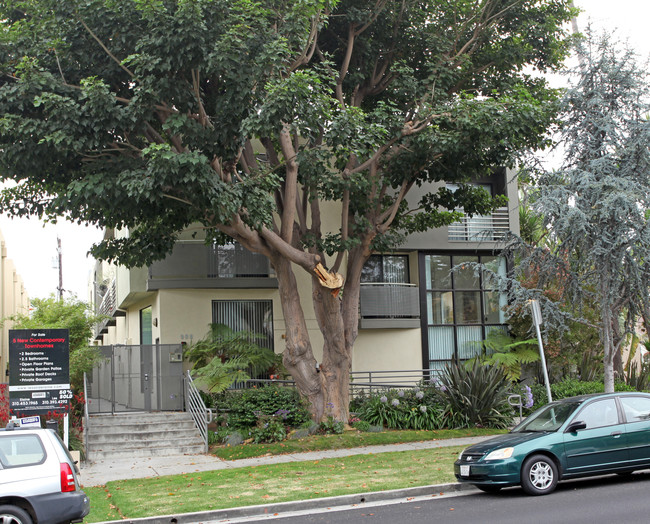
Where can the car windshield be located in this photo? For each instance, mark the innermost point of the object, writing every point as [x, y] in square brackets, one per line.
[547, 418]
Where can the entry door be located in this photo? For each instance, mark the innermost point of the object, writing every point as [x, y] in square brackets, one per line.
[602, 445]
[146, 375]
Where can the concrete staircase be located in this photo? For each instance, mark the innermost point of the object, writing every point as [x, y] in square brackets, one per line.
[126, 435]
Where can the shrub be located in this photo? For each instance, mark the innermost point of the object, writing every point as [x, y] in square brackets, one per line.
[269, 428]
[361, 425]
[331, 426]
[244, 407]
[475, 396]
[571, 387]
[401, 410]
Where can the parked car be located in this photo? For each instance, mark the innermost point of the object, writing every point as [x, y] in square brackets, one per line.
[38, 479]
[574, 437]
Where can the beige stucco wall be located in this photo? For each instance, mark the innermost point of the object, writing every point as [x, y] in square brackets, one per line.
[13, 301]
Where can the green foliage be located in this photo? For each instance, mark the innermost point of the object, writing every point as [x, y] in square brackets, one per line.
[244, 407]
[361, 425]
[571, 387]
[476, 396]
[224, 357]
[401, 409]
[269, 428]
[502, 351]
[331, 426]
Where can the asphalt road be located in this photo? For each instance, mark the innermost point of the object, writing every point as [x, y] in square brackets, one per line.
[610, 499]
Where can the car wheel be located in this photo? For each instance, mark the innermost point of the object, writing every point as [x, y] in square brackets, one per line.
[14, 515]
[489, 488]
[539, 475]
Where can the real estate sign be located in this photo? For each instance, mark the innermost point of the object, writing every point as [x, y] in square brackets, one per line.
[39, 371]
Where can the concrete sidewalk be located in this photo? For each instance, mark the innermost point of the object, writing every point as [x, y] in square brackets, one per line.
[100, 472]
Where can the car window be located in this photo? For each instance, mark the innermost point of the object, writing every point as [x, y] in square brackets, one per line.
[548, 418]
[636, 408]
[599, 414]
[21, 450]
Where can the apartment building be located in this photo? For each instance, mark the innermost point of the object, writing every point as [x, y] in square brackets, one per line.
[414, 312]
[13, 301]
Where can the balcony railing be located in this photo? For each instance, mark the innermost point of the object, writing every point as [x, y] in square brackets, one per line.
[384, 300]
[193, 264]
[480, 228]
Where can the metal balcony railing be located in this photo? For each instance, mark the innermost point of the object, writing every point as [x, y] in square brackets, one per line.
[388, 300]
[480, 228]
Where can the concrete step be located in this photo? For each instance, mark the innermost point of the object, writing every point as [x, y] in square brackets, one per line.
[126, 435]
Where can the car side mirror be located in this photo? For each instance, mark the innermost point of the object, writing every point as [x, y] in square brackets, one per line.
[575, 426]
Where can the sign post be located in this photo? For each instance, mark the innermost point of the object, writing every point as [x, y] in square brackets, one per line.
[39, 372]
[537, 320]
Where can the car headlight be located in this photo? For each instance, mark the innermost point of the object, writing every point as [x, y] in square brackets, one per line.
[460, 455]
[502, 453]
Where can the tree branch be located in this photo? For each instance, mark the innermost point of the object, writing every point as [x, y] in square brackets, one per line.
[113, 57]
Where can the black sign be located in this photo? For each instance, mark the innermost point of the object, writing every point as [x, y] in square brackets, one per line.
[39, 371]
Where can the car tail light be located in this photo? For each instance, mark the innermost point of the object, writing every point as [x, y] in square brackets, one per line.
[67, 478]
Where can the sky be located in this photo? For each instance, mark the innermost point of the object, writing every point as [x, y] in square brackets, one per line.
[33, 246]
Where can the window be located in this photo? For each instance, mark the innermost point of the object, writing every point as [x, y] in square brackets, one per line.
[462, 306]
[255, 316]
[392, 269]
[235, 261]
[145, 326]
[21, 450]
[636, 409]
[599, 414]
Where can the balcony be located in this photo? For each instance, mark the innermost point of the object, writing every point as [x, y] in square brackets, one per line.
[108, 307]
[481, 228]
[197, 266]
[386, 305]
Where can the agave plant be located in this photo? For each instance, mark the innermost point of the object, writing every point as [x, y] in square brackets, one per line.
[476, 395]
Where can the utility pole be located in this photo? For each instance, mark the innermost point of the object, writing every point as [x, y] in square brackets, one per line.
[60, 264]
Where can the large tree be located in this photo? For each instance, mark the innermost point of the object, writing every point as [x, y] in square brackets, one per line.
[596, 204]
[253, 119]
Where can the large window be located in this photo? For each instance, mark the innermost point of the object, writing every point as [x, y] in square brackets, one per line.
[255, 316]
[462, 307]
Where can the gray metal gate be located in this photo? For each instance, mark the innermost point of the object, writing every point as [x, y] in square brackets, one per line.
[137, 378]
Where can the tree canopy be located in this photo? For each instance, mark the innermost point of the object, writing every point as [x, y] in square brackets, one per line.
[250, 120]
[596, 205]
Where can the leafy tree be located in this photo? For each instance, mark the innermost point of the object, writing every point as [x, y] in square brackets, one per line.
[76, 317]
[251, 120]
[596, 205]
[225, 356]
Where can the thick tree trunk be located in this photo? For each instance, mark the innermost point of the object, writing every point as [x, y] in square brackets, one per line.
[298, 355]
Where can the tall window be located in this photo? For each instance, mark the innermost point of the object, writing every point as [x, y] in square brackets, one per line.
[255, 316]
[393, 269]
[461, 306]
[145, 326]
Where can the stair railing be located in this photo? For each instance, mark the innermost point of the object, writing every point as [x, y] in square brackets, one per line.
[86, 416]
[194, 404]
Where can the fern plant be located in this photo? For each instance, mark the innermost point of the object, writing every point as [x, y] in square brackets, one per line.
[224, 357]
[507, 354]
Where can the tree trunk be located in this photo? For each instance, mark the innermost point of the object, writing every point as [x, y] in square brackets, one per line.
[298, 355]
[607, 338]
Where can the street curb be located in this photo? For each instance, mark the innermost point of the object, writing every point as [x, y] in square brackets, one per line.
[298, 505]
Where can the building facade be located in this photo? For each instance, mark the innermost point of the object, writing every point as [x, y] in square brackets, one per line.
[414, 312]
[13, 301]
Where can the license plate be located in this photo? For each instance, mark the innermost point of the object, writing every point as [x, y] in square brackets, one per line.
[464, 471]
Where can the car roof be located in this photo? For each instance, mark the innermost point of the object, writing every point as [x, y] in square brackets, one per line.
[584, 398]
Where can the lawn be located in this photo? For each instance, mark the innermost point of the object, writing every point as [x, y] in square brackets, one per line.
[211, 490]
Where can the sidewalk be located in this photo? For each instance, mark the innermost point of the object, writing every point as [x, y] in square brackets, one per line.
[100, 472]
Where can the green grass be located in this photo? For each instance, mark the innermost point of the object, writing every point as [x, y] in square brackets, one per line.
[349, 439]
[211, 490]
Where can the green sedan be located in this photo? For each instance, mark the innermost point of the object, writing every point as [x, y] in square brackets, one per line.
[570, 438]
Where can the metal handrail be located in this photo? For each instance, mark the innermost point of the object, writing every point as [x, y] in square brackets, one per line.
[201, 415]
[86, 417]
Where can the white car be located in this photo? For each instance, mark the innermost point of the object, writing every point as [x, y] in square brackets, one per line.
[38, 479]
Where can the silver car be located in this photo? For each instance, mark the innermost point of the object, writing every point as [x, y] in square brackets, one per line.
[38, 479]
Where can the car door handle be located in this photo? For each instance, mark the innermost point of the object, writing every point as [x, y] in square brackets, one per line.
[616, 434]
